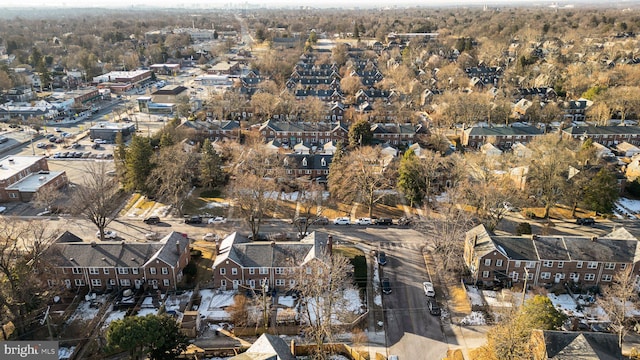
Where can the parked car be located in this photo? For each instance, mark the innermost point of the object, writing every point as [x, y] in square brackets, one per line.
[108, 234]
[194, 219]
[58, 130]
[434, 308]
[386, 286]
[321, 221]
[210, 237]
[217, 220]
[152, 236]
[404, 221]
[300, 220]
[342, 221]
[41, 145]
[382, 258]
[384, 221]
[363, 221]
[428, 289]
[152, 220]
[585, 221]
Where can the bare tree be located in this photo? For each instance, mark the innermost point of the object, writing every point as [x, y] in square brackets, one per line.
[22, 262]
[321, 285]
[46, 197]
[172, 177]
[547, 177]
[253, 186]
[309, 206]
[94, 198]
[618, 300]
[361, 176]
[446, 230]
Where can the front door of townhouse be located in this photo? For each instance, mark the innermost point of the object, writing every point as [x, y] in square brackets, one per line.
[154, 284]
[558, 277]
[236, 284]
[137, 283]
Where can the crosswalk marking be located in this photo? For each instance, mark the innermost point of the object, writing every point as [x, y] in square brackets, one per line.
[397, 245]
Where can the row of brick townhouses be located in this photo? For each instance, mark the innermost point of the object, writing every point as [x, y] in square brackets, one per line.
[108, 265]
[546, 260]
[243, 264]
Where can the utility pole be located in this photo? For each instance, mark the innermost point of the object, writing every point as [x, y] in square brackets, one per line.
[265, 287]
[524, 289]
[46, 319]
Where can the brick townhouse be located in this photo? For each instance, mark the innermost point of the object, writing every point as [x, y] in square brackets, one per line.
[242, 264]
[107, 265]
[502, 137]
[546, 260]
[21, 177]
[312, 133]
[605, 135]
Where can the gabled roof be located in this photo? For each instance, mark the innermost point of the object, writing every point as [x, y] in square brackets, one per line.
[116, 253]
[561, 345]
[503, 131]
[175, 244]
[225, 125]
[285, 126]
[269, 345]
[602, 130]
[313, 161]
[272, 254]
[618, 246]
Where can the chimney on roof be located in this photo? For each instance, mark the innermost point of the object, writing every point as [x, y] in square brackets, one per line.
[330, 244]
[178, 247]
[273, 244]
[594, 238]
[475, 240]
[93, 244]
[534, 237]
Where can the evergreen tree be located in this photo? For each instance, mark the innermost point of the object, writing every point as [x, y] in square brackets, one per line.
[360, 134]
[410, 180]
[211, 173]
[602, 192]
[120, 156]
[157, 336]
[138, 163]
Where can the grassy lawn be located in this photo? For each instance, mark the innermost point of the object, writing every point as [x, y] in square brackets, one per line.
[205, 262]
[284, 209]
[359, 262]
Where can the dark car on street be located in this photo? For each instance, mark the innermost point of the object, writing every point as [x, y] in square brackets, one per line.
[382, 258]
[193, 219]
[152, 220]
[386, 286]
[384, 221]
[434, 309]
[585, 221]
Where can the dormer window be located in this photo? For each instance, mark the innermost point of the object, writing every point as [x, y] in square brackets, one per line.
[323, 162]
[304, 162]
[286, 161]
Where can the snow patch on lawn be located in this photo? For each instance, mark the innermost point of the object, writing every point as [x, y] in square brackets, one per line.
[113, 316]
[213, 304]
[475, 318]
[474, 296]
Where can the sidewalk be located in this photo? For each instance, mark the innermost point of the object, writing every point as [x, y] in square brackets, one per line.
[454, 300]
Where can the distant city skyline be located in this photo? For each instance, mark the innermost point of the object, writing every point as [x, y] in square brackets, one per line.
[303, 3]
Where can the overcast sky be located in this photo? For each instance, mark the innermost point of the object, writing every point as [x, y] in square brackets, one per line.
[297, 3]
